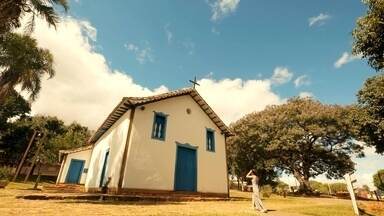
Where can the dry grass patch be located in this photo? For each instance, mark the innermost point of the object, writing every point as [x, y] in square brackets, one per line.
[279, 206]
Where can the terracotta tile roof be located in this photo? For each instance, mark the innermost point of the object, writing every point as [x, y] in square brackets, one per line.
[130, 102]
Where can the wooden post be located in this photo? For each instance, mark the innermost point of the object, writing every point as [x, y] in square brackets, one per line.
[226, 164]
[29, 171]
[329, 189]
[35, 159]
[38, 175]
[125, 152]
[24, 156]
[350, 182]
[377, 195]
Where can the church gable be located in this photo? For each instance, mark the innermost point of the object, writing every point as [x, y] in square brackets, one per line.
[181, 115]
[132, 102]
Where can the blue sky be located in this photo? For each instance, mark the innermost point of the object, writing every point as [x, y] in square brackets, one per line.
[246, 54]
[248, 42]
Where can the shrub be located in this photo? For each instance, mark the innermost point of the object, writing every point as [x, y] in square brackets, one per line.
[378, 179]
[266, 191]
[5, 173]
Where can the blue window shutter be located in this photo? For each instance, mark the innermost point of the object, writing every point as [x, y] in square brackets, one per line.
[159, 126]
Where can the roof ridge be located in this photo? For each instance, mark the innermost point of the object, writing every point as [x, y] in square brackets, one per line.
[186, 89]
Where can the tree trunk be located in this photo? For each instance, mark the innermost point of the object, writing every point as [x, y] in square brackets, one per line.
[38, 176]
[5, 90]
[30, 171]
[304, 186]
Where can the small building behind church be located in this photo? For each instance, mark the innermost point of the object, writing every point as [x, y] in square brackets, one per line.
[163, 143]
[74, 165]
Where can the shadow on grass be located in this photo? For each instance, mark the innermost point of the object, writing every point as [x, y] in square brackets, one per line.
[239, 199]
[364, 213]
[117, 203]
[30, 189]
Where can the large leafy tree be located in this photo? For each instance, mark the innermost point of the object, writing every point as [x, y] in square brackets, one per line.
[15, 106]
[56, 136]
[369, 34]
[75, 135]
[302, 137]
[248, 150]
[369, 42]
[378, 179]
[12, 11]
[23, 63]
[310, 138]
[16, 140]
[371, 112]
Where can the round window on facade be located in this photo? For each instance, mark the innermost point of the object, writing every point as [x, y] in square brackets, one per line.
[189, 111]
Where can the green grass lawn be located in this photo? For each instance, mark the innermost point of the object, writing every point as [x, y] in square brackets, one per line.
[278, 206]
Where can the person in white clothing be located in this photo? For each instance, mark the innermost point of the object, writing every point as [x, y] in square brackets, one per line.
[256, 201]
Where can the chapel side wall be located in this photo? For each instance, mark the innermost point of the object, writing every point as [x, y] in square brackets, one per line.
[151, 163]
[113, 139]
[81, 155]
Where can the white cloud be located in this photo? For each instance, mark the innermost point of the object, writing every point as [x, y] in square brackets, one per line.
[132, 47]
[88, 29]
[209, 75]
[84, 89]
[318, 20]
[215, 31]
[367, 166]
[306, 95]
[222, 8]
[366, 179]
[345, 58]
[302, 80]
[168, 33]
[143, 55]
[289, 179]
[281, 75]
[186, 44]
[233, 98]
[189, 46]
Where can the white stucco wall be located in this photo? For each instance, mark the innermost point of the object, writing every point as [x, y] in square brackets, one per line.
[82, 155]
[151, 162]
[114, 140]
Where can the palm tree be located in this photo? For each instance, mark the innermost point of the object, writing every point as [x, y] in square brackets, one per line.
[21, 61]
[23, 64]
[12, 11]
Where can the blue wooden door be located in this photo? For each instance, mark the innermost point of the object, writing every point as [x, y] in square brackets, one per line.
[186, 172]
[74, 171]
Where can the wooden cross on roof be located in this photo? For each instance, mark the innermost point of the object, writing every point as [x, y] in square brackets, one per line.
[194, 82]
